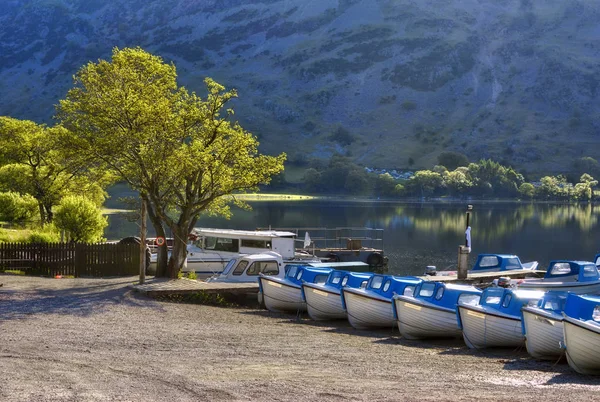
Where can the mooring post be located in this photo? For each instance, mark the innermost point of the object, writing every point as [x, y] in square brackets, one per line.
[143, 243]
[464, 251]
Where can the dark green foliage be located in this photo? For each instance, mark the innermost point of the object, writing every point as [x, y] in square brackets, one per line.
[342, 136]
[451, 160]
[408, 105]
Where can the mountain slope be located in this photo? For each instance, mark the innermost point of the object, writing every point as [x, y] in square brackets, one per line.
[384, 81]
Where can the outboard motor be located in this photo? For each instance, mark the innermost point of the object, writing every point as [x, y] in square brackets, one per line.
[430, 270]
[503, 282]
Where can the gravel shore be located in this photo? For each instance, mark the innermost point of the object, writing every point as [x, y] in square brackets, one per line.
[97, 340]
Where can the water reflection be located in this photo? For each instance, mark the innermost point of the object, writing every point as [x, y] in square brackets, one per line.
[418, 234]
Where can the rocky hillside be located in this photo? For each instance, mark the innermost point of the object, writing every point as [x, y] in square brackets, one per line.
[390, 83]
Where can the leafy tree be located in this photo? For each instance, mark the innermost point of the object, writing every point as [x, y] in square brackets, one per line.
[451, 160]
[586, 164]
[458, 182]
[553, 187]
[15, 207]
[34, 163]
[81, 219]
[182, 152]
[385, 185]
[527, 190]
[425, 183]
[583, 190]
[312, 180]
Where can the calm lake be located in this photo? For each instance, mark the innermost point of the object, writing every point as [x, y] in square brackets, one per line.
[419, 234]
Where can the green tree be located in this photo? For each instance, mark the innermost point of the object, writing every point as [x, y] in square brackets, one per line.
[385, 185]
[527, 190]
[180, 151]
[425, 183]
[33, 162]
[451, 160]
[81, 219]
[458, 182]
[583, 190]
[15, 207]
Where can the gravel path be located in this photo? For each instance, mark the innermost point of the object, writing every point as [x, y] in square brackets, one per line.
[96, 340]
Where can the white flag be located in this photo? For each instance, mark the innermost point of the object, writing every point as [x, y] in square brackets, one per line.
[306, 240]
[468, 237]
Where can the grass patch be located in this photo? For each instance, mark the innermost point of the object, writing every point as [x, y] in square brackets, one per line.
[13, 272]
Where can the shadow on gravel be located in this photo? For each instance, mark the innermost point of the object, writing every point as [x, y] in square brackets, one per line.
[569, 376]
[78, 301]
[530, 364]
[490, 353]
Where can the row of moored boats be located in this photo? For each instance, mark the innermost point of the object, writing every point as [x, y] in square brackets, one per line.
[553, 316]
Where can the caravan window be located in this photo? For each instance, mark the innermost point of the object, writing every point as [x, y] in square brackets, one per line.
[439, 293]
[252, 243]
[222, 244]
[387, 285]
[596, 313]
[345, 280]
[240, 267]
[409, 291]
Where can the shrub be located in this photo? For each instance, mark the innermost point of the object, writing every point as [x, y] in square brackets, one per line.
[15, 207]
[452, 160]
[81, 219]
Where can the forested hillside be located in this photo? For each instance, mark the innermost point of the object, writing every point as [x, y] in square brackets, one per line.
[389, 83]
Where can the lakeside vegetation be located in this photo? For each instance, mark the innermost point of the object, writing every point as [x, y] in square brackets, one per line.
[453, 177]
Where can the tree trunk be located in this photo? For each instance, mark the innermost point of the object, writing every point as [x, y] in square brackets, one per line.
[162, 257]
[42, 213]
[179, 252]
[49, 213]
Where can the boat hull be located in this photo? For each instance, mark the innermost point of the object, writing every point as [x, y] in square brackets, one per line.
[322, 303]
[573, 287]
[582, 341]
[281, 297]
[481, 329]
[543, 333]
[368, 312]
[417, 320]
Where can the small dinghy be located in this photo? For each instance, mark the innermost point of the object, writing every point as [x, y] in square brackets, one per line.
[431, 311]
[285, 294]
[568, 276]
[372, 307]
[494, 263]
[496, 320]
[324, 301]
[582, 333]
[543, 326]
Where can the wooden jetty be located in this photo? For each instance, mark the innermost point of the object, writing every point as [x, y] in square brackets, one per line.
[165, 287]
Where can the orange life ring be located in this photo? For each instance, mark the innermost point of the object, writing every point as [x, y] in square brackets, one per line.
[159, 241]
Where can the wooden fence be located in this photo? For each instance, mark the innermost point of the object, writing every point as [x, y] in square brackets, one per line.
[73, 259]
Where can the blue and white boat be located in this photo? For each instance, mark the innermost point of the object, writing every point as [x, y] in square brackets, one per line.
[324, 301]
[496, 320]
[568, 276]
[431, 311]
[496, 263]
[371, 307]
[543, 326]
[285, 294]
[582, 333]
